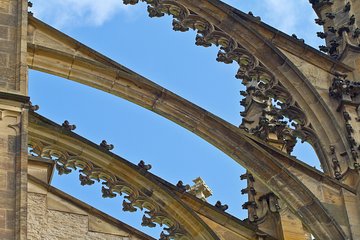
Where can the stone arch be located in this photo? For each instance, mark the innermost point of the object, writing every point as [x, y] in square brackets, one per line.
[53, 52]
[216, 23]
[119, 177]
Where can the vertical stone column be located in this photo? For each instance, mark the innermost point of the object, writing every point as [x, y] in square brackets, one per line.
[262, 119]
[13, 46]
[340, 20]
[13, 118]
[347, 94]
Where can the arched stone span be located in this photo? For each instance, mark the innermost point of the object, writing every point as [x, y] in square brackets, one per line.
[53, 52]
[118, 176]
[221, 17]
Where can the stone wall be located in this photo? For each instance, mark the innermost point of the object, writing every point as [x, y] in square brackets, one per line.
[52, 217]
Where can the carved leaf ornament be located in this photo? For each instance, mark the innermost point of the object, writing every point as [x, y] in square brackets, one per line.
[113, 186]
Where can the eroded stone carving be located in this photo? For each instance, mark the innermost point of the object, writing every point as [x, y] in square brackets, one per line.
[343, 89]
[182, 188]
[143, 166]
[106, 146]
[32, 107]
[347, 7]
[319, 21]
[70, 127]
[335, 164]
[222, 207]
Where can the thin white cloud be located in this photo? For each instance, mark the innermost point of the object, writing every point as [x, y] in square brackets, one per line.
[292, 16]
[282, 13]
[67, 13]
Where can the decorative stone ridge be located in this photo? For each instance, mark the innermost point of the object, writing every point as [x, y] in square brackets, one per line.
[113, 186]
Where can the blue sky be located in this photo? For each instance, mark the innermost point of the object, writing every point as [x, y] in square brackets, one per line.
[151, 48]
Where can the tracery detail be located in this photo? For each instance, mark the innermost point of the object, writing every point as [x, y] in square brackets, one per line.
[261, 116]
[261, 85]
[113, 186]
